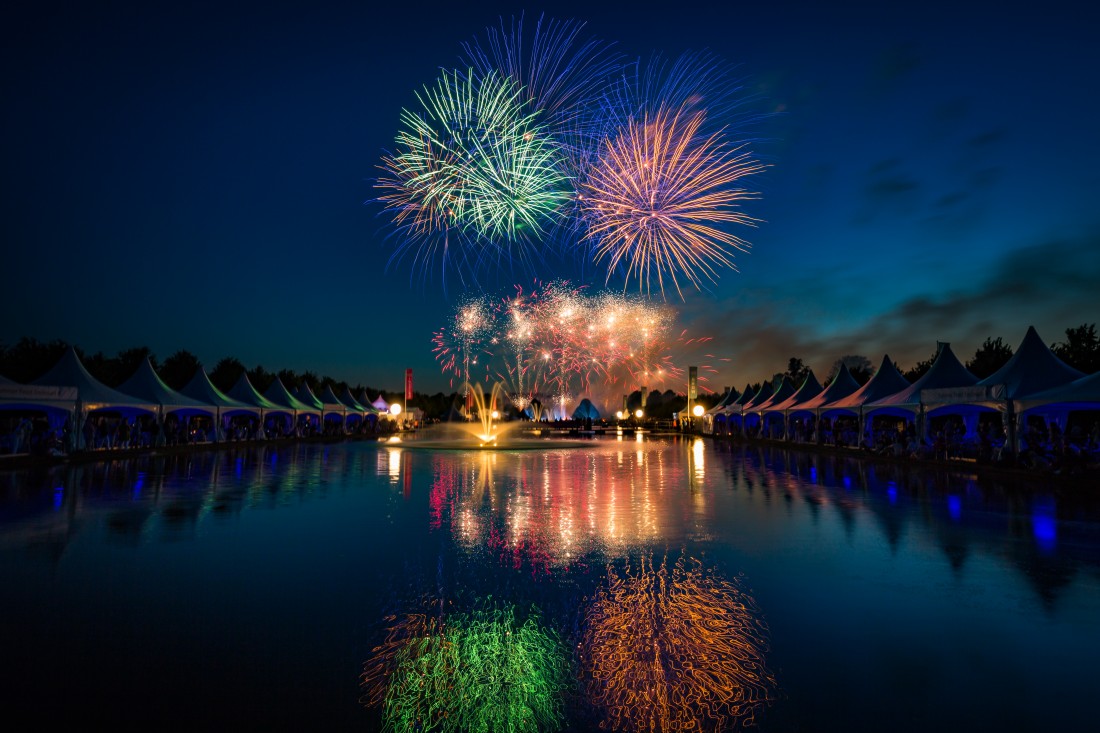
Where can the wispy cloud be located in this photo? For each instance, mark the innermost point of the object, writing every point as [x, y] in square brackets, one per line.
[1049, 284]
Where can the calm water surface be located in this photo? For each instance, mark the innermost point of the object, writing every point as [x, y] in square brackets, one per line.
[641, 584]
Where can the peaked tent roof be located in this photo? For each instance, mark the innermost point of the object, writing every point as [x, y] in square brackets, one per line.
[946, 372]
[746, 397]
[305, 395]
[842, 385]
[586, 410]
[146, 385]
[93, 394]
[786, 389]
[331, 402]
[1084, 393]
[728, 399]
[886, 381]
[278, 394]
[381, 404]
[1033, 368]
[201, 388]
[348, 399]
[765, 393]
[246, 393]
[810, 388]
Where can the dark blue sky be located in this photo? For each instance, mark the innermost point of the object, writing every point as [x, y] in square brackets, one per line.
[194, 176]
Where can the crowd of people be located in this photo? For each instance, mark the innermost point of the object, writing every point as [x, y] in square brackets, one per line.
[33, 433]
[1041, 446]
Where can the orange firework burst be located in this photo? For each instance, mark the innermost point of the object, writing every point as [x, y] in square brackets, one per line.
[658, 199]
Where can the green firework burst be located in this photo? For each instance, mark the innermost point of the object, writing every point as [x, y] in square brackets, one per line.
[473, 158]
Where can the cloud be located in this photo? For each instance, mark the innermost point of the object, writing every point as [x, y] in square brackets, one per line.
[1049, 284]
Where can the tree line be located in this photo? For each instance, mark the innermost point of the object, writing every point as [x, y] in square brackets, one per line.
[28, 359]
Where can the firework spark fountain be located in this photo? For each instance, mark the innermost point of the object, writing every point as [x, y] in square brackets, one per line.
[558, 341]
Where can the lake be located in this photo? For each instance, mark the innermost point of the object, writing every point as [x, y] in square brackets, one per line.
[637, 582]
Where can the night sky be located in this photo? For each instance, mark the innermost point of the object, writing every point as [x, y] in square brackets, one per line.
[195, 176]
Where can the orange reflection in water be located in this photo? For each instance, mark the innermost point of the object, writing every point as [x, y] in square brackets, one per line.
[554, 507]
[675, 649]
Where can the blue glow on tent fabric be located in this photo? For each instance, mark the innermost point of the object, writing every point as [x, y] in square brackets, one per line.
[1044, 525]
[813, 474]
[847, 482]
[892, 492]
[58, 496]
[954, 507]
[237, 467]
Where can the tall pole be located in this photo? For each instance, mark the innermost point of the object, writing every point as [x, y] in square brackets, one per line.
[693, 393]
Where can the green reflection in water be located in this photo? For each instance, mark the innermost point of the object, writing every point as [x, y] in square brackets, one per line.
[477, 671]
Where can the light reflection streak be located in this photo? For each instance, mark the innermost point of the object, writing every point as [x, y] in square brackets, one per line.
[675, 649]
[394, 465]
[554, 509]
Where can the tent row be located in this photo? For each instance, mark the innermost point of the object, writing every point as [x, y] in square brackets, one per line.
[1033, 383]
[69, 394]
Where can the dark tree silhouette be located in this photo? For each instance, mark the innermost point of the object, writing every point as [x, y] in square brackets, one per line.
[179, 368]
[115, 370]
[797, 371]
[261, 378]
[1081, 349]
[990, 356]
[859, 366]
[28, 359]
[226, 373]
[920, 369]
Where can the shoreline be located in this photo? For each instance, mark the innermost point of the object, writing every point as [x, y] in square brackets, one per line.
[1087, 480]
[26, 460]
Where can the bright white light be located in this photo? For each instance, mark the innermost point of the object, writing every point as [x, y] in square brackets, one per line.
[395, 409]
[619, 414]
[638, 413]
[697, 411]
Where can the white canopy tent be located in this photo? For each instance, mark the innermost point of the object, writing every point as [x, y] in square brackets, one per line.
[91, 395]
